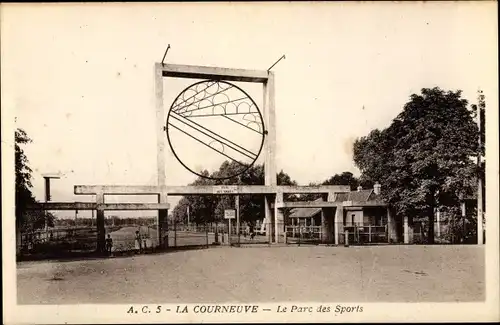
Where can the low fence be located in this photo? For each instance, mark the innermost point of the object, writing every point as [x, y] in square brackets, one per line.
[304, 235]
[134, 238]
[66, 241]
[182, 235]
[365, 234]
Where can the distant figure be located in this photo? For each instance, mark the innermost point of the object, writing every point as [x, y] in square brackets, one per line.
[109, 244]
[137, 242]
[144, 242]
[252, 233]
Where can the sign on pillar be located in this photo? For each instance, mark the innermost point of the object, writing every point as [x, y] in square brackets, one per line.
[237, 207]
[229, 214]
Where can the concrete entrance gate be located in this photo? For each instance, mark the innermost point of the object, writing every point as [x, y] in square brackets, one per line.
[272, 193]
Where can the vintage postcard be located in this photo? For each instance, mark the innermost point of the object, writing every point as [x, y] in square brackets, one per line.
[249, 162]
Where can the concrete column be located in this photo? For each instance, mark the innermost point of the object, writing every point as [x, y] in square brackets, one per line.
[338, 226]
[391, 227]
[464, 217]
[279, 219]
[324, 225]
[269, 217]
[162, 230]
[270, 138]
[327, 227]
[438, 223]
[407, 230]
[101, 230]
[237, 208]
[480, 215]
[160, 124]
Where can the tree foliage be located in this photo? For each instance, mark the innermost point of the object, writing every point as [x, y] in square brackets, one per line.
[23, 195]
[423, 159]
[210, 208]
[344, 178]
[26, 219]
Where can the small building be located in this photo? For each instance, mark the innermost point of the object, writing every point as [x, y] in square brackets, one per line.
[361, 214]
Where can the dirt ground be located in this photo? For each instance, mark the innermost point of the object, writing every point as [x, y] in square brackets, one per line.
[262, 274]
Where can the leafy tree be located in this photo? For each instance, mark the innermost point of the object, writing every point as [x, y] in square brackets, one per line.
[423, 158]
[23, 195]
[347, 178]
[26, 220]
[344, 178]
[210, 208]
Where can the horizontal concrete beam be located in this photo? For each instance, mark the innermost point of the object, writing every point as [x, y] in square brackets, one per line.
[203, 72]
[204, 189]
[308, 204]
[95, 206]
[320, 204]
[364, 204]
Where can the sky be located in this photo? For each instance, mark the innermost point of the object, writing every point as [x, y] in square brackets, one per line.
[79, 78]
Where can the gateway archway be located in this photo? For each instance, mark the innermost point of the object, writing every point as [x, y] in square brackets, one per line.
[188, 104]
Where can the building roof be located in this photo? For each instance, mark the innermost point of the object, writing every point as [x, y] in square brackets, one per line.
[305, 212]
[361, 196]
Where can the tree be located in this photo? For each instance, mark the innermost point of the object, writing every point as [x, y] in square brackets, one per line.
[23, 195]
[26, 220]
[423, 158]
[210, 208]
[344, 178]
[347, 178]
[480, 109]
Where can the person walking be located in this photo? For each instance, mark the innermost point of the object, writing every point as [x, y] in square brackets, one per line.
[109, 244]
[138, 244]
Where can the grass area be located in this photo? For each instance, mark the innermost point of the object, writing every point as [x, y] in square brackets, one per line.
[263, 274]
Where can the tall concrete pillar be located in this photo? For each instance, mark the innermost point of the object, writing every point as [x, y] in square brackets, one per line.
[162, 230]
[101, 230]
[338, 224]
[407, 230]
[438, 223]
[269, 153]
[327, 227]
[391, 227]
[279, 219]
[269, 217]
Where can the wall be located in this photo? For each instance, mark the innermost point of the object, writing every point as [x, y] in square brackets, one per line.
[358, 217]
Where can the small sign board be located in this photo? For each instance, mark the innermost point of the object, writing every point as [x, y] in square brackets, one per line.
[229, 214]
[347, 203]
[225, 189]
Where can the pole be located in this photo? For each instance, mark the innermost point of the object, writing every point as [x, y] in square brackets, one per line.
[189, 223]
[237, 208]
[47, 199]
[479, 177]
[229, 233]
[462, 205]
[175, 232]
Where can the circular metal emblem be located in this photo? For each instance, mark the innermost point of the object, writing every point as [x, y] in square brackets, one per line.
[211, 122]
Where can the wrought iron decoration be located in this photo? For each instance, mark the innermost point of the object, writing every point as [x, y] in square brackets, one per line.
[207, 113]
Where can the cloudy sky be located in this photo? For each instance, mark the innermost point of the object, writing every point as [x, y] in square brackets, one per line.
[79, 78]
